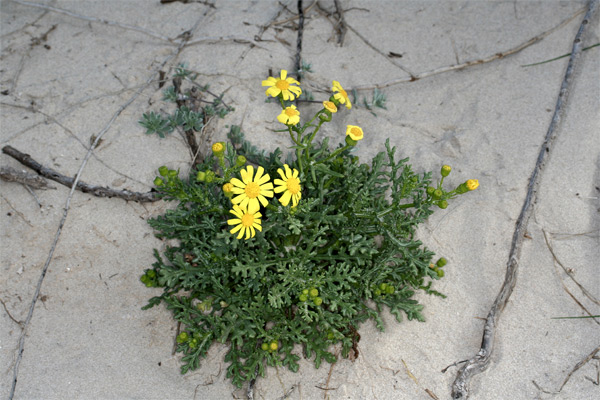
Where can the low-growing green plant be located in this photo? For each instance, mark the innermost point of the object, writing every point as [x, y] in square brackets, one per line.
[284, 256]
[187, 117]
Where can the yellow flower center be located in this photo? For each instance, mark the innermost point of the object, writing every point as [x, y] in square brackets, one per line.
[252, 190]
[217, 147]
[282, 85]
[293, 185]
[472, 184]
[356, 132]
[248, 220]
[290, 112]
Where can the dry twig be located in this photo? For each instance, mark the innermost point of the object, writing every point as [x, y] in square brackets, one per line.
[479, 362]
[9, 174]
[456, 67]
[99, 191]
[575, 368]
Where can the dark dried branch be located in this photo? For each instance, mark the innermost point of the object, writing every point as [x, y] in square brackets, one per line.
[9, 174]
[479, 362]
[99, 191]
[190, 136]
[341, 27]
[299, 40]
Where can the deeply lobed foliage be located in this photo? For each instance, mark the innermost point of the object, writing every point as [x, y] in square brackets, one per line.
[314, 273]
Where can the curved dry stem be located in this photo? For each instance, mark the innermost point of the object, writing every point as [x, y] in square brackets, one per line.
[478, 363]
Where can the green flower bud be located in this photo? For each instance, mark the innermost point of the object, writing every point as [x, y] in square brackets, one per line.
[240, 161]
[303, 297]
[440, 273]
[144, 279]
[443, 204]
[274, 346]
[383, 286]
[163, 171]
[182, 337]
[350, 141]
[158, 182]
[430, 190]
[330, 335]
[313, 292]
[210, 176]
[437, 193]
[264, 346]
[441, 262]
[390, 289]
[151, 273]
[318, 301]
[305, 291]
[377, 292]
[446, 170]
[201, 176]
[193, 343]
[467, 186]
[172, 173]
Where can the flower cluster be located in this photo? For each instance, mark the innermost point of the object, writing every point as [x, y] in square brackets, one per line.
[440, 197]
[252, 191]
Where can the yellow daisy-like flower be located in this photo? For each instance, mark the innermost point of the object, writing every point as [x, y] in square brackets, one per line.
[355, 132]
[289, 116]
[252, 189]
[245, 223]
[282, 85]
[472, 184]
[330, 106]
[289, 184]
[341, 94]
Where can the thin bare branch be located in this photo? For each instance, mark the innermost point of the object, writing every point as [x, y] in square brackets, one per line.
[479, 362]
[569, 274]
[9, 174]
[94, 19]
[573, 370]
[456, 67]
[67, 181]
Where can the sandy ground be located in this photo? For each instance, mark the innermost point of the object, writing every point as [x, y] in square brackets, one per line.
[63, 78]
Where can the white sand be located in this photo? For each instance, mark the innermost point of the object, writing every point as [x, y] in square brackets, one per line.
[88, 338]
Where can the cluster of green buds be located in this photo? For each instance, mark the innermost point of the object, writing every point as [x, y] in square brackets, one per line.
[149, 278]
[209, 176]
[313, 294]
[191, 340]
[168, 177]
[440, 197]
[270, 347]
[383, 289]
[437, 267]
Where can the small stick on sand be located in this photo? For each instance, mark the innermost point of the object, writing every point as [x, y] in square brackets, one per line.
[456, 67]
[49, 173]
